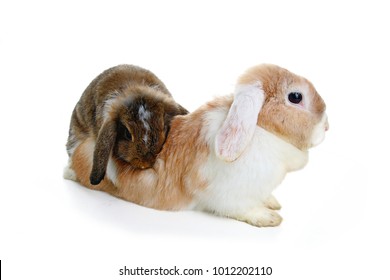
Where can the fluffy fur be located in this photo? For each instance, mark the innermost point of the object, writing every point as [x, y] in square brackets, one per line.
[126, 111]
[192, 171]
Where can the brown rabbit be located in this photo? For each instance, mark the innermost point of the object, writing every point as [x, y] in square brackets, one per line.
[127, 110]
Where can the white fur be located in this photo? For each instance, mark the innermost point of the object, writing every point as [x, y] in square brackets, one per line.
[145, 116]
[319, 130]
[111, 171]
[239, 125]
[69, 173]
[272, 203]
[260, 216]
[241, 188]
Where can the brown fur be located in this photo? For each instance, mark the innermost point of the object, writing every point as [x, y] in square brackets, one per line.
[109, 108]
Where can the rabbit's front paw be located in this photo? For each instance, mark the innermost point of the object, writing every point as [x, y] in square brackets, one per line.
[272, 203]
[261, 217]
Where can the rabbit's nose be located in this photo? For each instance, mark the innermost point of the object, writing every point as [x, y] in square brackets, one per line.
[326, 125]
[148, 160]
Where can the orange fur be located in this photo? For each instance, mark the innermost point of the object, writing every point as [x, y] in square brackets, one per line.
[174, 179]
[82, 165]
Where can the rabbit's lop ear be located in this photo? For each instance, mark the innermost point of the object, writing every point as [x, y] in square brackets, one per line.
[104, 144]
[172, 109]
[240, 123]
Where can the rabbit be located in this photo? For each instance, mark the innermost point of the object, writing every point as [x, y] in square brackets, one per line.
[228, 156]
[127, 111]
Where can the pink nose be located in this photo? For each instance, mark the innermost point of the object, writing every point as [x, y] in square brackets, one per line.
[326, 126]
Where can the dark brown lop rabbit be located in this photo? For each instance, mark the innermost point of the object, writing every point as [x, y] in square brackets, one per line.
[128, 110]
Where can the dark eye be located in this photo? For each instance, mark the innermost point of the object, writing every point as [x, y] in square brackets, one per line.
[295, 97]
[128, 135]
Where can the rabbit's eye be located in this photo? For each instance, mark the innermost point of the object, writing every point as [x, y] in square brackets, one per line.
[295, 97]
[128, 135]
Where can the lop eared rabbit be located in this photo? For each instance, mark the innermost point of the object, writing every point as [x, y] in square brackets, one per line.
[227, 156]
[127, 111]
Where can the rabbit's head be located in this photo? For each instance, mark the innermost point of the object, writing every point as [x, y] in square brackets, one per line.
[134, 131]
[277, 100]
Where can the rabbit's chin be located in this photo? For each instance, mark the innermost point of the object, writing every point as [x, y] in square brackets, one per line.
[319, 130]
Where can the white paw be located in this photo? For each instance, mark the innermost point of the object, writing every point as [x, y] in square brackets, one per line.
[69, 173]
[260, 217]
[272, 203]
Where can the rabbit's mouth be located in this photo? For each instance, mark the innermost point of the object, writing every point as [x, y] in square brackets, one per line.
[319, 131]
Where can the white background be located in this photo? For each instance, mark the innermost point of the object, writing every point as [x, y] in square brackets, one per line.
[336, 210]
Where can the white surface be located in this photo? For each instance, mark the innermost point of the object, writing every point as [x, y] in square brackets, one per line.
[336, 223]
